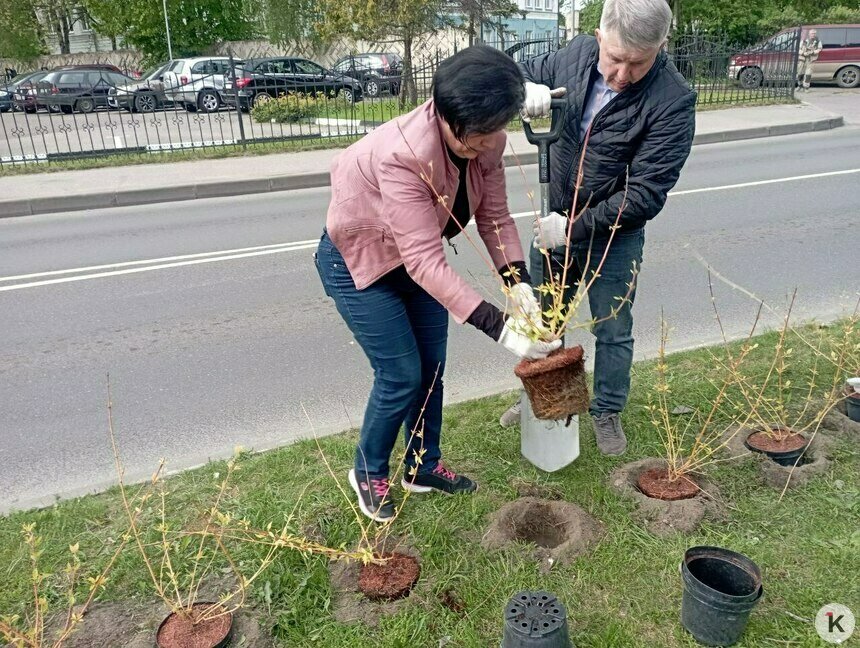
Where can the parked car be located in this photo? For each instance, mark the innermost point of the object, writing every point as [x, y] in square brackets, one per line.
[144, 95]
[263, 79]
[107, 67]
[774, 59]
[23, 89]
[378, 71]
[197, 83]
[5, 99]
[78, 89]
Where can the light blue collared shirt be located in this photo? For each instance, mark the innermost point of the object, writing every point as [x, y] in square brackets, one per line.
[601, 94]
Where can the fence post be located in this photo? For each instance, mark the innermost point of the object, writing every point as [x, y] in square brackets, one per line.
[236, 97]
[795, 61]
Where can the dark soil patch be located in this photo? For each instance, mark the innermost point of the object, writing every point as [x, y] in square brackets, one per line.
[780, 440]
[202, 627]
[389, 580]
[662, 517]
[349, 604]
[558, 530]
[451, 600]
[556, 385]
[656, 483]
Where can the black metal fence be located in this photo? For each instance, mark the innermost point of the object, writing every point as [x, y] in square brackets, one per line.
[226, 101]
[723, 74]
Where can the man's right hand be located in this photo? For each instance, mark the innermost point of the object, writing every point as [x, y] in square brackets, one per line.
[517, 342]
[538, 100]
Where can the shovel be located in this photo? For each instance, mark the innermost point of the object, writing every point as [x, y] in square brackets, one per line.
[548, 445]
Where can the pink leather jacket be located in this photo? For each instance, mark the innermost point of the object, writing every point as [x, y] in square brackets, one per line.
[384, 214]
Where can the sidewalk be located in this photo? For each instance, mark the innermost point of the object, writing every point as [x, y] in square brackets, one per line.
[153, 183]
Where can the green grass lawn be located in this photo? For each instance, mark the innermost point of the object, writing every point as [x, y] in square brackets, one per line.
[626, 592]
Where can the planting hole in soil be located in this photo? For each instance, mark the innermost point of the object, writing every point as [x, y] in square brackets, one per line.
[540, 526]
[655, 483]
[189, 631]
[390, 580]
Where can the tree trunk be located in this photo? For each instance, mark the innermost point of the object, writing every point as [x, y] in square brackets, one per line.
[408, 89]
[113, 43]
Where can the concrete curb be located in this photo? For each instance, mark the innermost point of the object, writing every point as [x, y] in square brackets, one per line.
[52, 204]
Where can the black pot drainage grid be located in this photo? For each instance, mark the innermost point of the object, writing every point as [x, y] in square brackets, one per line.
[535, 620]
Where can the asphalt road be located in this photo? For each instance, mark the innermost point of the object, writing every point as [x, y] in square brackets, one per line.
[211, 320]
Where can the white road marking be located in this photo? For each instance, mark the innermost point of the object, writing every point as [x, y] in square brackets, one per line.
[146, 265]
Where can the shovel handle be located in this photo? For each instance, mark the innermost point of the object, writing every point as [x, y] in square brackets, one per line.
[558, 112]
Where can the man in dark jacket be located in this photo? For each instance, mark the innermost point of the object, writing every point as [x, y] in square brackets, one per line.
[639, 115]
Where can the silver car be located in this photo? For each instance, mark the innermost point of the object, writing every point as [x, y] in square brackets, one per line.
[197, 83]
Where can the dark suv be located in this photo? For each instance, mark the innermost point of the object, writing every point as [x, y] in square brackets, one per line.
[79, 89]
[263, 79]
[378, 71]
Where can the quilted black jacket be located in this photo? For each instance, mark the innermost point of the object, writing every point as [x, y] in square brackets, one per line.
[646, 132]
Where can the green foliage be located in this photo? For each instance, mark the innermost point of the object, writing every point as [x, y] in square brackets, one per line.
[195, 25]
[841, 14]
[777, 19]
[20, 34]
[742, 21]
[289, 108]
[589, 16]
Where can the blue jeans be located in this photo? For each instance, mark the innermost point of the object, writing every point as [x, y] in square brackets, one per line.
[613, 357]
[404, 333]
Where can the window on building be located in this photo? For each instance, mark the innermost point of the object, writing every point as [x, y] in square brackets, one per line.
[530, 3]
[548, 5]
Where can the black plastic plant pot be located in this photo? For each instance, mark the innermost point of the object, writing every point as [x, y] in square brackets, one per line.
[721, 587]
[788, 458]
[852, 408]
[535, 620]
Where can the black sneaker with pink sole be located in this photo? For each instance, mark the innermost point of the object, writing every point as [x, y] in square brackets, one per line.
[374, 498]
[440, 479]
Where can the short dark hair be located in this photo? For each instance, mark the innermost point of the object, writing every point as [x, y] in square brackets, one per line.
[478, 90]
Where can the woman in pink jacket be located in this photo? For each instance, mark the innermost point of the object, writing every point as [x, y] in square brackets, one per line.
[381, 258]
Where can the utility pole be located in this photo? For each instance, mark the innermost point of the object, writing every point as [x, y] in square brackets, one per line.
[167, 27]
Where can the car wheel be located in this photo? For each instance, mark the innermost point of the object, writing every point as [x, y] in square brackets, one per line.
[85, 105]
[145, 102]
[260, 99]
[53, 109]
[208, 101]
[751, 77]
[848, 77]
[347, 94]
[371, 87]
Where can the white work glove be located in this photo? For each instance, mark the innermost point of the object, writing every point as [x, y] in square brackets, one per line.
[522, 302]
[550, 231]
[517, 342]
[538, 100]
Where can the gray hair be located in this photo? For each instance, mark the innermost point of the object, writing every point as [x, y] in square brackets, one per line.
[639, 24]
